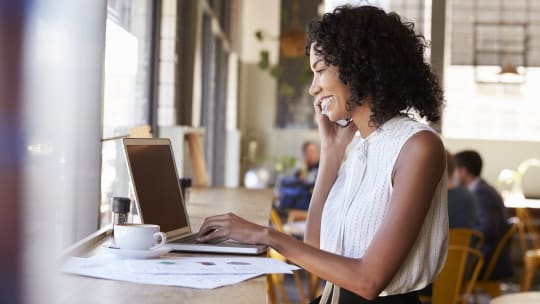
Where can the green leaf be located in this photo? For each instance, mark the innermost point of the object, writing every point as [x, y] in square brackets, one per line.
[286, 90]
[264, 61]
[305, 76]
[275, 71]
[285, 16]
[291, 161]
[259, 35]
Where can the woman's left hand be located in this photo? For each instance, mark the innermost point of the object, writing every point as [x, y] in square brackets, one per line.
[231, 226]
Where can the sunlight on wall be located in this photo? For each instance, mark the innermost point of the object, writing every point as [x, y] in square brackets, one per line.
[491, 111]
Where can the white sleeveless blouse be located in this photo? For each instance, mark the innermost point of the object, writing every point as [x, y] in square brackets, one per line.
[360, 197]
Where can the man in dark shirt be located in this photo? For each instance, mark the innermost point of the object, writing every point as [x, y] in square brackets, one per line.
[491, 218]
[461, 202]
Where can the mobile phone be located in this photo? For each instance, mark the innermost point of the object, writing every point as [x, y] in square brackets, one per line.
[342, 122]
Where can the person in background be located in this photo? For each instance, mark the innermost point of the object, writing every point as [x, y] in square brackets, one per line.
[295, 192]
[311, 154]
[461, 202]
[491, 217]
[377, 225]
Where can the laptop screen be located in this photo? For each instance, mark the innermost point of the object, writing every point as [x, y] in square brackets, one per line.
[154, 177]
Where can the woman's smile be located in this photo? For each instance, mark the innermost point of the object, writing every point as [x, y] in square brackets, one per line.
[326, 102]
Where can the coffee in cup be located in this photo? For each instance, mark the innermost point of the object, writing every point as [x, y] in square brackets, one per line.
[139, 237]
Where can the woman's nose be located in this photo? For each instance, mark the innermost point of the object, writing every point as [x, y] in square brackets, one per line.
[314, 88]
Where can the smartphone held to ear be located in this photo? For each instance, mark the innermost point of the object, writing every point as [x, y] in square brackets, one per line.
[342, 122]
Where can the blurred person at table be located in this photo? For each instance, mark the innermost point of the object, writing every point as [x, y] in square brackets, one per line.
[461, 202]
[311, 154]
[377, 223]
[294, 192]
[491, 217]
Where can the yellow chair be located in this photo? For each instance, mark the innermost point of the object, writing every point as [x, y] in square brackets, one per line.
[465, 237]
[275, 281]
[531, 258]
[296, 222]
[458, 276]
[493, 288]
[295, 216]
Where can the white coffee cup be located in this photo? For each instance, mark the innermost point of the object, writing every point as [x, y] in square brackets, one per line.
[139, 237]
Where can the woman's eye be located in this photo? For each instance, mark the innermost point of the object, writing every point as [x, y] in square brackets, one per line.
[320, 70]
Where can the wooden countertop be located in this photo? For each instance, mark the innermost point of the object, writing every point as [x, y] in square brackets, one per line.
[251, 204]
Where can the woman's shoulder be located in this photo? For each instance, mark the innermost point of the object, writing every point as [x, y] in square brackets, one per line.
[404, 125]
[426, 141]
[402, 129]
[422, 150]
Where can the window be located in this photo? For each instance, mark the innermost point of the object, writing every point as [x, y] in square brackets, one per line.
[127, 100]
[416, 11]
[481, 102]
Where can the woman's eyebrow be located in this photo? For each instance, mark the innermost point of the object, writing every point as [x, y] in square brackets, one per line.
[315, 63]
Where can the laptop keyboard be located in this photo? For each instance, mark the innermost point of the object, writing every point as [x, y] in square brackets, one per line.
[192, 239]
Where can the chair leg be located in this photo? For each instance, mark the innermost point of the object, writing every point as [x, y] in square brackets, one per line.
[278, 279]
[529, 268]
[314, 286]
[300, 287]
[493, 289]
[272, 298]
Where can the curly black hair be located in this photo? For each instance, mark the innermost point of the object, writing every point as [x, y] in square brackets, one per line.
[378, 56]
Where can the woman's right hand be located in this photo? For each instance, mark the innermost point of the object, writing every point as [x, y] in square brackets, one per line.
[332, 135]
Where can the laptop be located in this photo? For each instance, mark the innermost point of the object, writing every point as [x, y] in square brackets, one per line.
[159, 197]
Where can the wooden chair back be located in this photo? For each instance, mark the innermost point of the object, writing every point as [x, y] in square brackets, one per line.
[458, 276]
[527, 230]
[275, 220]
[503, 242]
[466, 237]
[275, 281]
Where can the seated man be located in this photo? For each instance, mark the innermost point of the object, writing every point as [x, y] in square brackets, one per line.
[311, 154]
[491, 218]
[461, 202]
[295, 191]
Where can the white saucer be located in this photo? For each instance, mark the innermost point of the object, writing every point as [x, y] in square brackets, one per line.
[139, 254]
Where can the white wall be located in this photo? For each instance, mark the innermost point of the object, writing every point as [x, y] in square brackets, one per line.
[259, 15]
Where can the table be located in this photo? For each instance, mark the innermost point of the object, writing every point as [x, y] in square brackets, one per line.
[521, 202]
[251, 204]
[518, 298]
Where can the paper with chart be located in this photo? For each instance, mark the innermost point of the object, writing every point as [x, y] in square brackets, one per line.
[160, 271]
[210, 265]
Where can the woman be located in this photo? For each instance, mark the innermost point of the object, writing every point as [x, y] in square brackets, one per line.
[377, 222]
